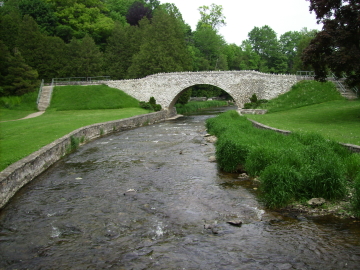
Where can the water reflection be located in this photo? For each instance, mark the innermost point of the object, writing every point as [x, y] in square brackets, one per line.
[139, 199]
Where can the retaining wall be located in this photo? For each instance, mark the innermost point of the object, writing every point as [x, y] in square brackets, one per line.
[23, 171]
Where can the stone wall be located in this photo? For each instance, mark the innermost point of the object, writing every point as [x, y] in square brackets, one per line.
[167, 87]
[22, 172]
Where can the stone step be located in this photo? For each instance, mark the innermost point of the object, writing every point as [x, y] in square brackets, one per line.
[44, 100]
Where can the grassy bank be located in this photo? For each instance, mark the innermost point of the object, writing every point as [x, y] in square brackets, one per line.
[16, 107]
[195, 106]
[312, 106]
[290, 168]
[72, 107]
[20, 138]
[91, 97]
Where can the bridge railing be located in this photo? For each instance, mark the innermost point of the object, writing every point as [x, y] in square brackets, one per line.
[306, 74]
[80, 80]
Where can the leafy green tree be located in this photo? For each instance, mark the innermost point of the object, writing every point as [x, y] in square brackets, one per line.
[42, 12]
[250, 60]
[163, 47]
[84, 59]
[118, 54]
[306, 37]
[29, 41]
[264, 42]
[80, 17]
[118, 9]
[9, 27]
[337, 46]
[211, 16]
[210, 44]
[234, 56]
[21, 78]
[289, 44]
[5, 58]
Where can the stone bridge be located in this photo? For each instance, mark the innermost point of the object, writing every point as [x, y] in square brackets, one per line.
[167, 87]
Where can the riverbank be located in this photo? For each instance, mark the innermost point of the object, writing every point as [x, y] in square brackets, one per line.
[293, 168]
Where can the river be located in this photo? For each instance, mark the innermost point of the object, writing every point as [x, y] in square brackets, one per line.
[149, 198]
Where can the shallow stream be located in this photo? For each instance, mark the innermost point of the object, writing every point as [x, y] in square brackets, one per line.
[139, 199]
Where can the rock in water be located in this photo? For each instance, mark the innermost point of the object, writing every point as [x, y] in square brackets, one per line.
[236, 222]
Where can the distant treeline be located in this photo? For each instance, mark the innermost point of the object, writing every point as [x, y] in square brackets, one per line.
[45, 39]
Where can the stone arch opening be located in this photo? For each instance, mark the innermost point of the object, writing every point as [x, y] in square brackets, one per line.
[175, 99]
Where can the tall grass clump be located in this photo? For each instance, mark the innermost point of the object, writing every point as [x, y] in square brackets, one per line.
[91, 97]
[291, 168]
[356, 196]
[303, 93]
[194, 106]
[26, 102]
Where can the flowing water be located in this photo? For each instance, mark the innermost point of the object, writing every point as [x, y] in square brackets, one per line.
[139, 199]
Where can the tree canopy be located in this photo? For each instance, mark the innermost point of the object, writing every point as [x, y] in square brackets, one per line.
[337, 46]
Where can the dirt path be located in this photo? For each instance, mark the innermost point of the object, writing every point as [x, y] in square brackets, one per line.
[32, 115]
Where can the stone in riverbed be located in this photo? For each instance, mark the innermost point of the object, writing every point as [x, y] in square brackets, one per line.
[236, 222]
[316, 201]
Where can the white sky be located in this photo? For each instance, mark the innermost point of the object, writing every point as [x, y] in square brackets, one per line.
[243, 15]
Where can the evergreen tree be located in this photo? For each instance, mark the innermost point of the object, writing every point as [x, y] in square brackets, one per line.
[118, 55]
[21, 78]
[84, 58]
[163, 47]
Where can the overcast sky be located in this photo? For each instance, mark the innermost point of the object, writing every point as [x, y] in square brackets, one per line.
[243, 15]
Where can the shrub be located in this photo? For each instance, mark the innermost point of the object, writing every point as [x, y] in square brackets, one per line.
[278, 185]
[356, 196]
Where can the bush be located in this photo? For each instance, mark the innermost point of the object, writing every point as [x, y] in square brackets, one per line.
[278, 185]
[294, 167]
[151, 105]
[356, 196]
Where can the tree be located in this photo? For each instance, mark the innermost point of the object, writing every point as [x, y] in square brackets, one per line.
[41, 12]
[289, 44]
[21, 78]
[337, 46]
[250, 60]
[163, 47]
[118, 54]
[9, 27]
[264, 42]
[136, 12]
[211, 16]
[84, 58]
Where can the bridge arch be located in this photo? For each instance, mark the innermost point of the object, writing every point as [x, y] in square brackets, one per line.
[165, 87]
[180, 92]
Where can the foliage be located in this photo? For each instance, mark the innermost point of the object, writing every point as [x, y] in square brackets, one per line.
[194, 106]
[356, 198]
[294, 167]
[26, 102]
[337, 46]
[84, 58]
[184, 97]
[211, 17]
[91, 97]
[151, 105]
[254, 102]
[136, 12]
[162, 49]
[42, 12]
[303, 93]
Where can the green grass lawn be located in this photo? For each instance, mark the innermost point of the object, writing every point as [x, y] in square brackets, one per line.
[19, 139]
[338, 120]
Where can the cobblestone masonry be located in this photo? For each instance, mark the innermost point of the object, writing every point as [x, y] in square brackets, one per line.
[167, 87]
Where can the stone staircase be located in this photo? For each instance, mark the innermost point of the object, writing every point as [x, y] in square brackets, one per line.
[45, 97]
